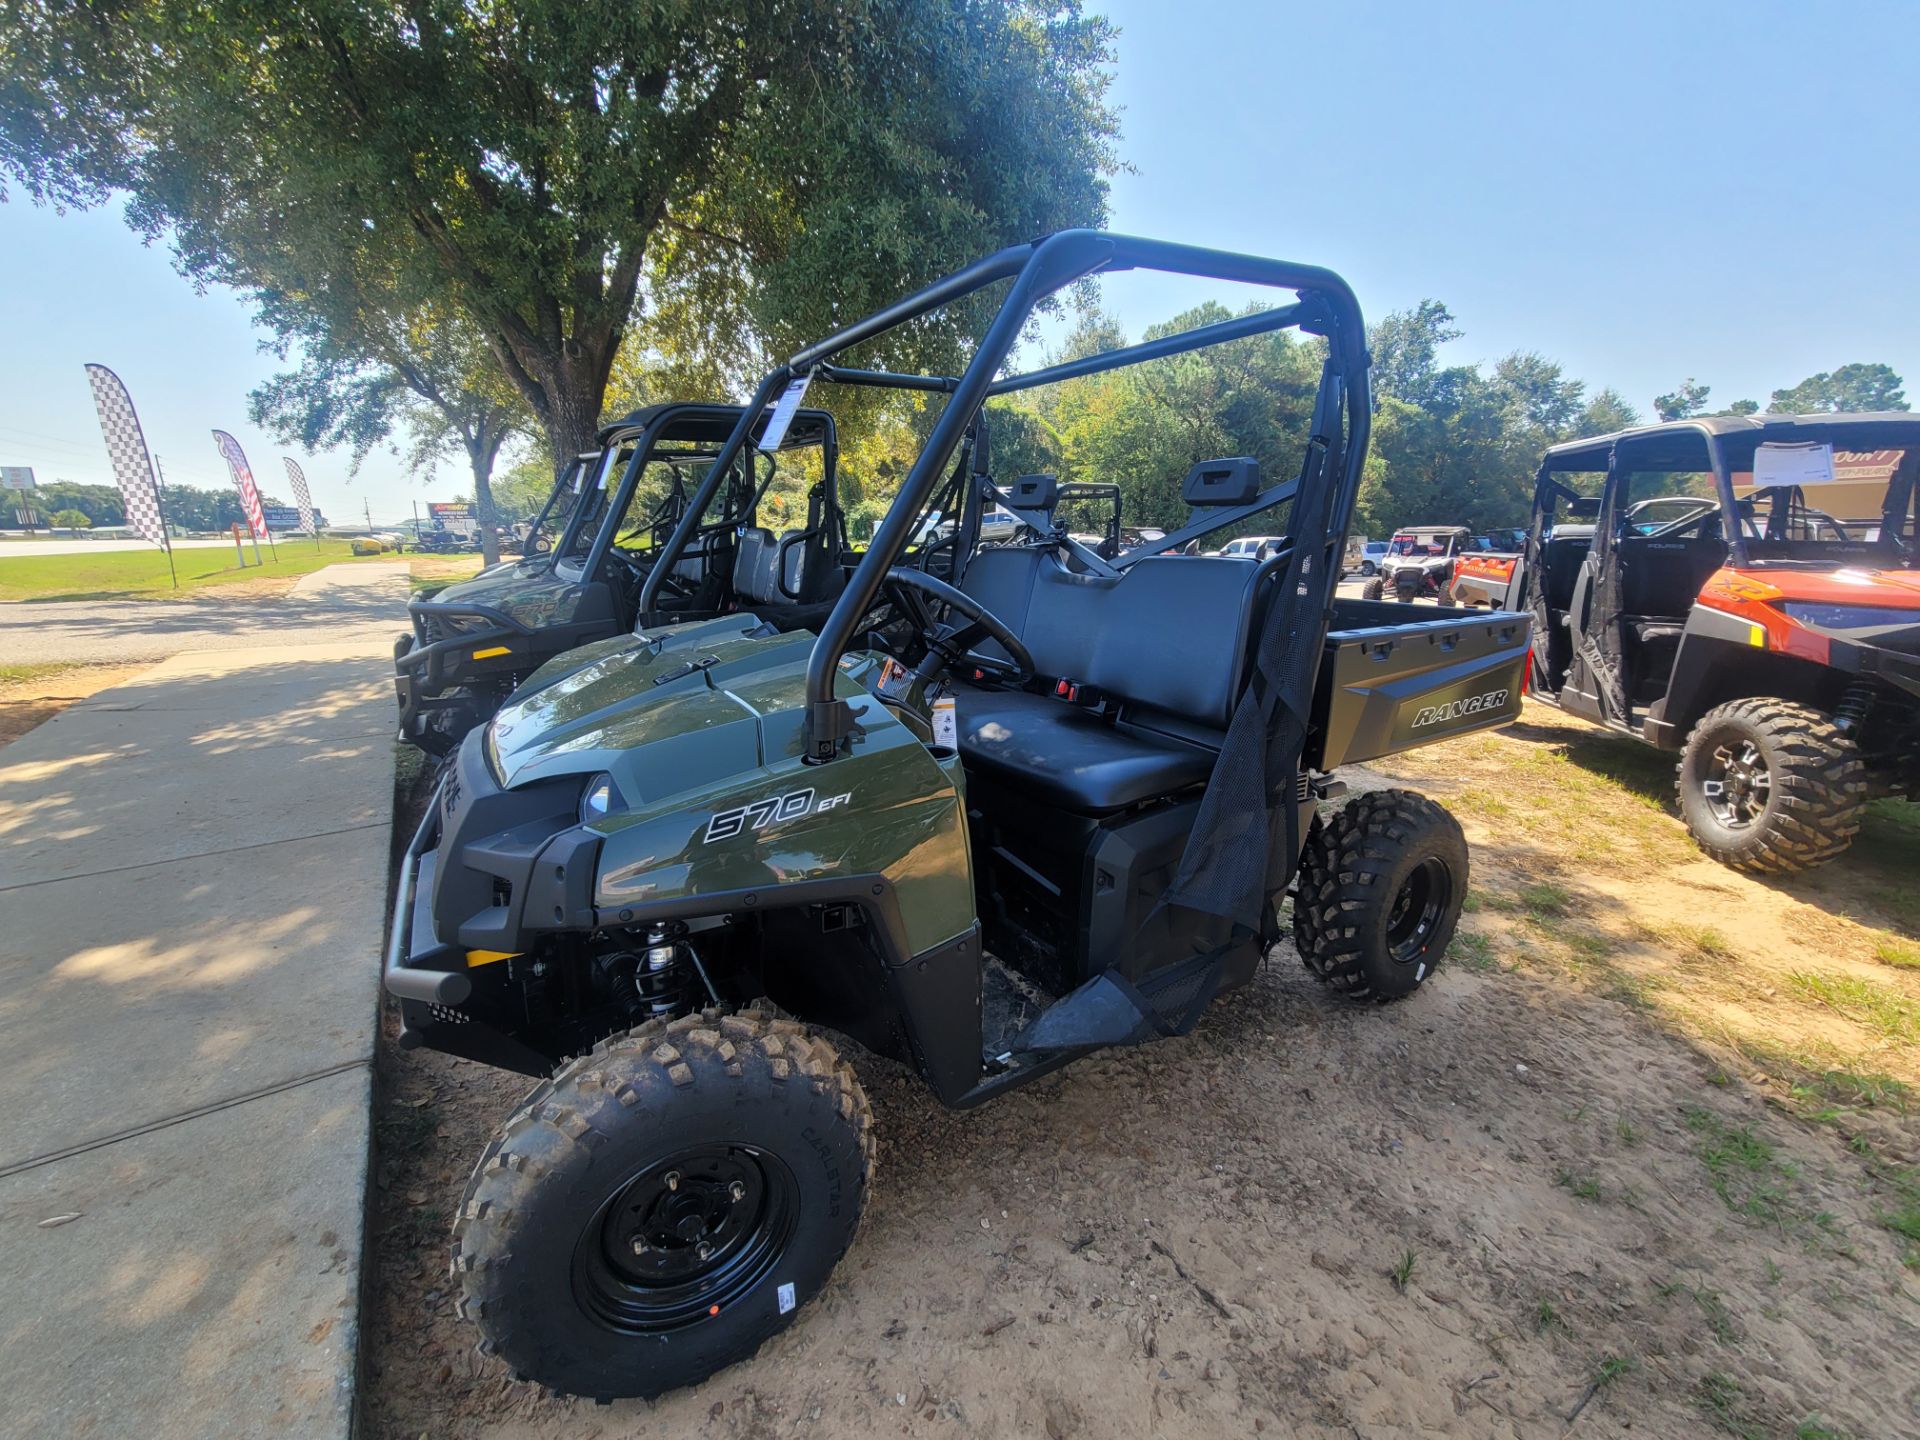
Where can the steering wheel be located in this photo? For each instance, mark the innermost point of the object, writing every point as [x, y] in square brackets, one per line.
[1684, 523]
[918, 596]
[672, 586]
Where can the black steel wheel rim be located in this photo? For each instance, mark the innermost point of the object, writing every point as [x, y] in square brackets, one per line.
[1737, 785]
[685, 1238]
[1422, 900]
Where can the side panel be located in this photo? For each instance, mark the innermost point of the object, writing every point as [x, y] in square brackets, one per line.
[888, 808]
[1386, 688]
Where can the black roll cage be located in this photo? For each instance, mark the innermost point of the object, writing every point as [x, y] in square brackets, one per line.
[1580, 457]
[1326, 306]
[694, 422]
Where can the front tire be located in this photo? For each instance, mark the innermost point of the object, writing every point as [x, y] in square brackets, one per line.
[1770, 787]
[1381, 886]
[1374, 589]
[660, 1208]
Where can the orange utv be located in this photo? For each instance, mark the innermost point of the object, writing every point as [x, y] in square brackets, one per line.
[1742, 590]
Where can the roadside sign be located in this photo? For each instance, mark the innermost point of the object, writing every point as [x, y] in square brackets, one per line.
[16, 477]
[448, 513]
[287, 517]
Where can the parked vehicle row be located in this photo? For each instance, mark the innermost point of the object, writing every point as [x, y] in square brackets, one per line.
[987, 793]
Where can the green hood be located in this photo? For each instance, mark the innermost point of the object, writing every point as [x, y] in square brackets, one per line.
[701, 723]
[530, 591]
[665, 713]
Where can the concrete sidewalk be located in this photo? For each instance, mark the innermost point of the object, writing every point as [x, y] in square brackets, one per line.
[193, 872]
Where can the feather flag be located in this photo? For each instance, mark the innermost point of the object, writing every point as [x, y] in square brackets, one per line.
[302, 499]
[243, 482]
[127, 447]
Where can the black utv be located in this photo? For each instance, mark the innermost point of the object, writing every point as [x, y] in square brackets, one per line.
[984, 824]
[593, 544]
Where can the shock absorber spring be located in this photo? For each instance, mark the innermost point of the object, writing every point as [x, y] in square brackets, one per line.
[1854, 708]
[662, 975]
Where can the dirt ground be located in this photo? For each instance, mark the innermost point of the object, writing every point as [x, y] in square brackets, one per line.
[1638, 1160]
[44, 691]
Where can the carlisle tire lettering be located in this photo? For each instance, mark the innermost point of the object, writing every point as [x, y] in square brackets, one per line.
[774, 810]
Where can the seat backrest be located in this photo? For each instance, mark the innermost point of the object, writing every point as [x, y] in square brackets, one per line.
[793, 561]
[753, 565]
[1663, 577]
[1560, 567]
[1171, 633]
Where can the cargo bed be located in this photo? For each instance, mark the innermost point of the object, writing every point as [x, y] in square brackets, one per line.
[1388, 684]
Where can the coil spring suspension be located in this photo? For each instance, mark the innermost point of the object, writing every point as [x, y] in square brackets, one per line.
[1854, 708]
[663, 976]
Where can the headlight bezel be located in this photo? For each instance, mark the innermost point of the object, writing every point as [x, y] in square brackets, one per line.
[607, 790]
[1830, 615]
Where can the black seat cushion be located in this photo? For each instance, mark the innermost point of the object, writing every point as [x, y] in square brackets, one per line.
[1070, 758]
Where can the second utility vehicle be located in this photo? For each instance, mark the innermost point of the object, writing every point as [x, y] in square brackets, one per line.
[594, 543]
[1419, 564]
[1684, 592]
[1053, 805]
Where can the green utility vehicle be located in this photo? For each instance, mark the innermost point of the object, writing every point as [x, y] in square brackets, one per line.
[983, 824]
[594, 542]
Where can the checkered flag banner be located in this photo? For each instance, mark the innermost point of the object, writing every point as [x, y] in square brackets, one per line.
[127, 446]
[302, 500]
[243, 482]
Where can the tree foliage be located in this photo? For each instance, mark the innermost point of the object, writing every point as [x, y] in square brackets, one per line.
[1451, 444]
[1684, 403]
[1852, 389]
[750, 172]
[368, 370]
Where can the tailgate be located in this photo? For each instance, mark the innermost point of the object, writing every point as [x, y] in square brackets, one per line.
[1387, 685]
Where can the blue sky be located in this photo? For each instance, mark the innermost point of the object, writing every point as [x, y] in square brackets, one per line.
[1641, 191]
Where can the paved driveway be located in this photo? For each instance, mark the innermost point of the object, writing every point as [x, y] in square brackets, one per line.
[352, 603]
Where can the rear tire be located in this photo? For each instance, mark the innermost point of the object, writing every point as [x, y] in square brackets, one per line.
[660, 1208]
[1770, 787]
[1374, 589]
[1381, 886]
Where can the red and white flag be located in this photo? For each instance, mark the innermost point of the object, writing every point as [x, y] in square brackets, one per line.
[243, 482]
[127, 447]
[302, 499]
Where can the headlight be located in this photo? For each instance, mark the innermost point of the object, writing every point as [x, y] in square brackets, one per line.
[1849, 617]
[600, 799]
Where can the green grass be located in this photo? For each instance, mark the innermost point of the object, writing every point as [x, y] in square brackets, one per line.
[1721, 1397]
[1744, 1173]
[1402, 1271]
[1901, 954]
[1861, 1001]
[1611, 1368]
[1474, 952]
[1545, 1317]
[1582, 1187]
[114, 574]
[1545, 900]
[19, 674]
[1814, 1428]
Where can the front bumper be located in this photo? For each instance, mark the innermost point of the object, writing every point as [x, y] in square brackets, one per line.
[418, 966]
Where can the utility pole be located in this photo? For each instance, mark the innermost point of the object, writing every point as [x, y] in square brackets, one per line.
[369, 505]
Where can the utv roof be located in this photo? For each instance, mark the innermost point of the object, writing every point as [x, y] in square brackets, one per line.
[1677, 445]
[707, 423]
